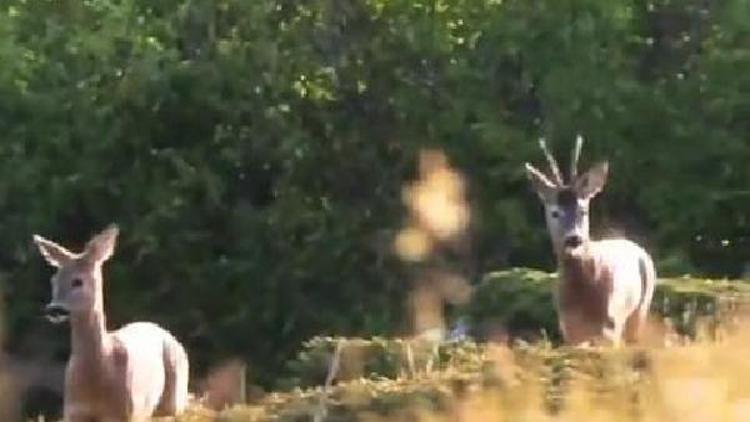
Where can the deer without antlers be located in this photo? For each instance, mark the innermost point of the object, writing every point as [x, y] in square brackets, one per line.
[130, 374]
[605, 286]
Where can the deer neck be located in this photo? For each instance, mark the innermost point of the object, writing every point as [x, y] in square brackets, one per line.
[89, 335]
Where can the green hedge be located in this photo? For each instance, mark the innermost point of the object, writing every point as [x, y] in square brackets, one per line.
[521, 302]
[375, 358]
[470, 370]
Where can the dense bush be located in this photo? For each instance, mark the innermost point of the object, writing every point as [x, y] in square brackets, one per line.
[376, 358]
[517, 303]
[254, 151]
[520, 302]
[527, 382]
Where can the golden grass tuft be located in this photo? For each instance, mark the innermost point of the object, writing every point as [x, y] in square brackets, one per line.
[698, 381]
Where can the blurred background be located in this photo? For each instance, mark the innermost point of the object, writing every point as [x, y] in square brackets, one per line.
[273, 164]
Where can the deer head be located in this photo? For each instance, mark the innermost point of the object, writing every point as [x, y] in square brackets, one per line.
[77, 283]
[566, 205]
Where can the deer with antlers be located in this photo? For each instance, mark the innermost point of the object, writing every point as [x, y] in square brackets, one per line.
[130, 374]
[605, 286]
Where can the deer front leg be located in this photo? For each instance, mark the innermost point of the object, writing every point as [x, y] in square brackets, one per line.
[618, 306]
[574, 327]
[611, 332]
[76, 413]
[635, 325]
[76, 407]
[176, 371]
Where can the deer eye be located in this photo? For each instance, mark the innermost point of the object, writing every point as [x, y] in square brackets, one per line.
[77, 282]
[555, 213]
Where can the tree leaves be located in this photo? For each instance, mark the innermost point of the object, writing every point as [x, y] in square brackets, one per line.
[254, 152]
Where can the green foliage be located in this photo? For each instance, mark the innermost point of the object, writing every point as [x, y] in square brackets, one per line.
[549, 371]
[459, 367]
[254, 151]
[388, 399]
[376, 358]
[520, 302]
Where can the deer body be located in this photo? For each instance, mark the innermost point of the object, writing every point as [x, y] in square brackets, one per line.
[130, 374]
[605, 292]
[606, 286]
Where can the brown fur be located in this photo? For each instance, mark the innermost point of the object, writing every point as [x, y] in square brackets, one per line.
[584, 290]
[606, 286]
[124, 375]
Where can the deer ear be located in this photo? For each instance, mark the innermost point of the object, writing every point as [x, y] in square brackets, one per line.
[592, 182]
[54, 254]
[543, 187]
[102, 246]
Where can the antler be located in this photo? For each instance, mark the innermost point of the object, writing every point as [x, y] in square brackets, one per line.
[552, 163]
[574, 158]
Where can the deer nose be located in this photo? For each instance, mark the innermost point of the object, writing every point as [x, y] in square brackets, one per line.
[56, 313]
[573, 241]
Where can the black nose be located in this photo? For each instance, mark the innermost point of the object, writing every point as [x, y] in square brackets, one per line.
[573, 241]
[55, 312]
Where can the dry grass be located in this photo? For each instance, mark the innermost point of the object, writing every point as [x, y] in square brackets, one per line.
[700, 381]
[704, 380]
